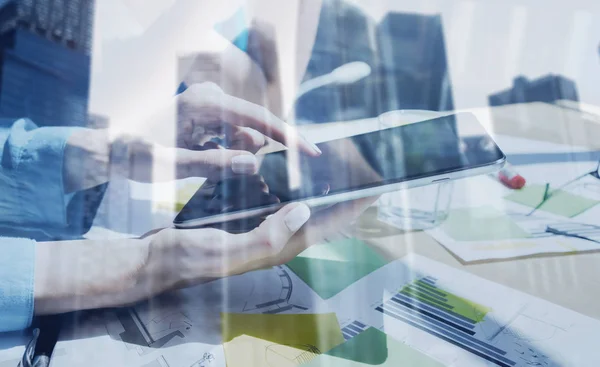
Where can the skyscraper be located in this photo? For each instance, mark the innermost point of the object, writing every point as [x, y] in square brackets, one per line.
[549, 89]
[407, 56]
[413, 68]
[45, 48]
[345, 34]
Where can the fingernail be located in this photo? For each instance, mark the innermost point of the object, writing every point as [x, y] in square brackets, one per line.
[258, 139]
[244, 164]
[316, 148]
[297, 217]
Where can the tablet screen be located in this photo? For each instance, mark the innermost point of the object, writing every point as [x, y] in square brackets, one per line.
[423, 149]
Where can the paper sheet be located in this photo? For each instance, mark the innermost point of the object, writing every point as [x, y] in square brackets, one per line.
[12, 347]
[488, 221]
[182, 328]
[481, 224]
[510, 329]
[372, 347]
[330, 267]
[430, 313]
[278, 340]
[486, 233]
[562, 203]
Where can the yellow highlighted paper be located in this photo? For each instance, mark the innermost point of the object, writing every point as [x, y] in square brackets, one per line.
[372, 347]
[277, 340]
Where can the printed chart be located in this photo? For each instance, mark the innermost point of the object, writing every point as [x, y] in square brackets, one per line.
[444, 315]
[373, 347]
[458, 319]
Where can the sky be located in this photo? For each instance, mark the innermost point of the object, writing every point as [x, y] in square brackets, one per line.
[488, 42]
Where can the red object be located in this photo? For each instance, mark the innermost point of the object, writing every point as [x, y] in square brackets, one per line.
[511, 179]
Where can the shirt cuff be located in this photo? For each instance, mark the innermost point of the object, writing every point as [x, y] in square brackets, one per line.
[37, 157]
[16, 283]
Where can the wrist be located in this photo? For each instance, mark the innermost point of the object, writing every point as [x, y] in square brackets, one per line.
[77, 275]
[158, 272]
[167, 262]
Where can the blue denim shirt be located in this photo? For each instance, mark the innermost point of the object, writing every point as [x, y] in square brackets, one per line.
[32, 200]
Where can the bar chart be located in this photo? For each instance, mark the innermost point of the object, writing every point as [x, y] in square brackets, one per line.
[353, 329]
[459, 319]
[444, 315]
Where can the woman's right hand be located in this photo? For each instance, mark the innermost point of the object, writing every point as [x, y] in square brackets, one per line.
[181, 257]
[77, 275]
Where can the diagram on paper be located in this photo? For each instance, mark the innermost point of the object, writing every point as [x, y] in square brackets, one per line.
[483, 233]
[171, 319]
[163, 330]
[462, 320]
[205, 361]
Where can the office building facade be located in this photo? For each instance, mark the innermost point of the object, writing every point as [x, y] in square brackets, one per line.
[407, 56]
[549, 89]
[345, 34]
[413, 67]
[45, 60]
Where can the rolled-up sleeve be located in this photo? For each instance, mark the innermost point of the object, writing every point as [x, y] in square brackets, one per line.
[31, 175]
[16, 283]
[32, 199]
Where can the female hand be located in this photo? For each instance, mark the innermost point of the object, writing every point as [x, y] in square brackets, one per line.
[79, 275]
[183, 257]
[204, 112]
[75, 275]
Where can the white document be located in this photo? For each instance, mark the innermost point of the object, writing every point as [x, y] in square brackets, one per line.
[181, 328]
[483, 224]
[12, 347]
[538, 234]
[463, 320]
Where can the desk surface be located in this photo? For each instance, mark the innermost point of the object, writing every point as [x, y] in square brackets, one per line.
[572, 281]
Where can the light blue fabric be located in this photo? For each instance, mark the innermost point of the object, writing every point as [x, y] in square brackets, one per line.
[31, 175]
[16, 283]
[31, 199]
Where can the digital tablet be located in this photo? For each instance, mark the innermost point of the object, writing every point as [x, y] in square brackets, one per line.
[436, 150]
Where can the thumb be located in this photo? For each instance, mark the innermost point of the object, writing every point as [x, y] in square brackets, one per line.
[215, 164]
[275, 232]
[256, 249]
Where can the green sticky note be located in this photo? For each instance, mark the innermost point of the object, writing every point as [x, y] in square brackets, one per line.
[560, 202]
[331, 267]
[277, 340]
[481, 224]
[372, 347]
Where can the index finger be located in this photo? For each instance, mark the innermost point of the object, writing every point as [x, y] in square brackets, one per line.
[240, 112]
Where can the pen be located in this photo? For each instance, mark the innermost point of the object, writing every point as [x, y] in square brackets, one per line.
[510, 178]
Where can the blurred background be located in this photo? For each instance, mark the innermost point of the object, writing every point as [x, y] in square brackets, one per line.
[108, 63]
[433, 55]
